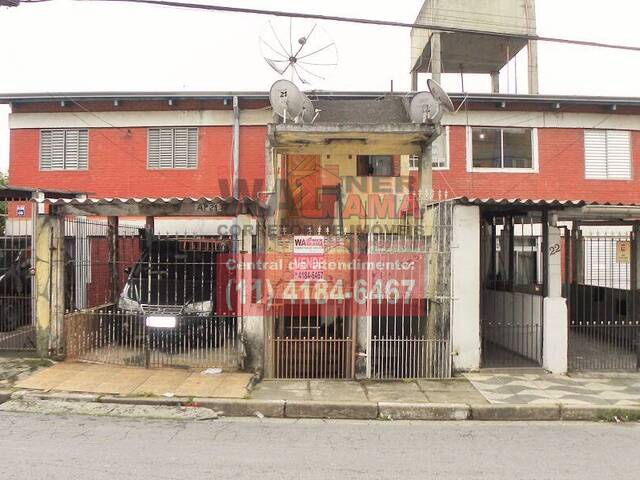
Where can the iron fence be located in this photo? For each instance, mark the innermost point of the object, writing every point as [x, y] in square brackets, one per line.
[138, 298]
[17, 281]
[604, 330]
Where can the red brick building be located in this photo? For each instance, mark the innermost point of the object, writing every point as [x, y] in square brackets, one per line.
[161, 145]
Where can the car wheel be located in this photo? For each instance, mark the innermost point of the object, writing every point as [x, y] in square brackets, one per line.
[9, 318]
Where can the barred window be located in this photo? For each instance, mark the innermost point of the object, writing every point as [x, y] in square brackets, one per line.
[64, 149]
[172, 148]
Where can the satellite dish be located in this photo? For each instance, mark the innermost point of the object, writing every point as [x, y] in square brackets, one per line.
[424, 108]
[308, 114]
[303, 49]
[440, 95]
[286, 100]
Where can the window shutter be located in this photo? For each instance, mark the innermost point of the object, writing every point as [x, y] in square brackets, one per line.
[153, 148]
[618, 154]
[166, 148]
[192, 152]
[71, 149]
[595, 154]
[64, 149]
[172, 148]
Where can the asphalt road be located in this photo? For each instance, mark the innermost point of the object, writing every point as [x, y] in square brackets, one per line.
[56, 447]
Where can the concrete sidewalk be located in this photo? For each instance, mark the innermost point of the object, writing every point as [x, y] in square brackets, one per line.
[479, 396]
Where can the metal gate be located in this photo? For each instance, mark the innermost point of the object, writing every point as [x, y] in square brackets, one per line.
[512, 287]
[137, 298]
[17, 299]
[392, 311]
[600, 274]
[410, 307]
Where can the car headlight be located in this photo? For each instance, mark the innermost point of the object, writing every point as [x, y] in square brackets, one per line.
[198, 307]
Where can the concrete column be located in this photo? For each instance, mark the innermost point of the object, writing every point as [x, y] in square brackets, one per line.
[250, 315]
[465, 262]
[555, 314]
[425, 173]
[436, 57]
[533, 67]
[414, 81]
[49, 282]
[495, 82]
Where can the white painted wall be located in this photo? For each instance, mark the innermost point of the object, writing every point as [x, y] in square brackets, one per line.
[522, 312]
[465, 265]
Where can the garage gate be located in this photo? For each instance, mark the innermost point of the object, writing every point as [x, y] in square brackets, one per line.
[602, 297]
[138, 298]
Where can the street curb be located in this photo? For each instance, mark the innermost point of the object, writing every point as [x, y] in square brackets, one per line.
[337, 410]
[423, 411]
[230, 407]
[62, 396]
[515, 412]
[151, 401]
[595, 413]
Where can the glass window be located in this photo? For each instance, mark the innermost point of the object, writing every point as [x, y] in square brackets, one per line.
[502, 147]
[375, 166]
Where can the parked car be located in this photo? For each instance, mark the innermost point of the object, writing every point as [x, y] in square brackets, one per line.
[15, 291]
[171, 288]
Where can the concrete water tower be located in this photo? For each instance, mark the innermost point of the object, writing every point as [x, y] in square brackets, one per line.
[441, 52]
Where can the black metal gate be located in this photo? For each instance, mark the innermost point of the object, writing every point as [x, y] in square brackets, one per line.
[600, 286]
[137, 298]
[17, 289]
[512, 275]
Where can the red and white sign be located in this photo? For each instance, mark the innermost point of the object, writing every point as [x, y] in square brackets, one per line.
[308, 257]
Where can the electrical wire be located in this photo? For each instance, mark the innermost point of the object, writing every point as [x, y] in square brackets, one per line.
[367, 21]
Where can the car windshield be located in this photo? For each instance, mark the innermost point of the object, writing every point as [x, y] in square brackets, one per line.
[168, 274]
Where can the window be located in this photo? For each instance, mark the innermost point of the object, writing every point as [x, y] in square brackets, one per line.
[377, 166]
[64, 149]
[502, 148]
[607, 154]
[172, 148]
[440, 162]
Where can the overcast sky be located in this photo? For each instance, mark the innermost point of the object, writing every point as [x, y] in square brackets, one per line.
[64, 46]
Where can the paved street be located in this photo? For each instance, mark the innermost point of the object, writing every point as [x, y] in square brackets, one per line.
[60, 447]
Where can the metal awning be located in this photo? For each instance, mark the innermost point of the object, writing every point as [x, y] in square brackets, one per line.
[159, 207]
[11, 193]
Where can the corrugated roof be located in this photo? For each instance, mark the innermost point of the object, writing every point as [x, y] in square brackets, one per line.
[380, 110]
[532, 202]
[11, 192]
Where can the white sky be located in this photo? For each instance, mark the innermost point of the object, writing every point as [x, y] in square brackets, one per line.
[72, 46]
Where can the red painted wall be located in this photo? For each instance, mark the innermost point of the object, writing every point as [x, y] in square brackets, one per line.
[118, 164]
[561, 172]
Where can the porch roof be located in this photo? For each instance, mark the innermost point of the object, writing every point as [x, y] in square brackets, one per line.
[157, 207]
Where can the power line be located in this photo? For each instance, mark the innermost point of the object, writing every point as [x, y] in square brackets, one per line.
[367, 21]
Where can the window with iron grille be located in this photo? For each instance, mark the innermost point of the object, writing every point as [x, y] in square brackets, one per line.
[607, 154]
[172, 148]
[64, 149]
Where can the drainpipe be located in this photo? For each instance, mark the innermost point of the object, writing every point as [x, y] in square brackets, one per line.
[236, 148]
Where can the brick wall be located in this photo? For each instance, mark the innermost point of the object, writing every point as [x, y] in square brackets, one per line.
[118, 164]
[561, 172]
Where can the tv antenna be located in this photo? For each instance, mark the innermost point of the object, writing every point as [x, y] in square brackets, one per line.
[428, 107]
[303, 50]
